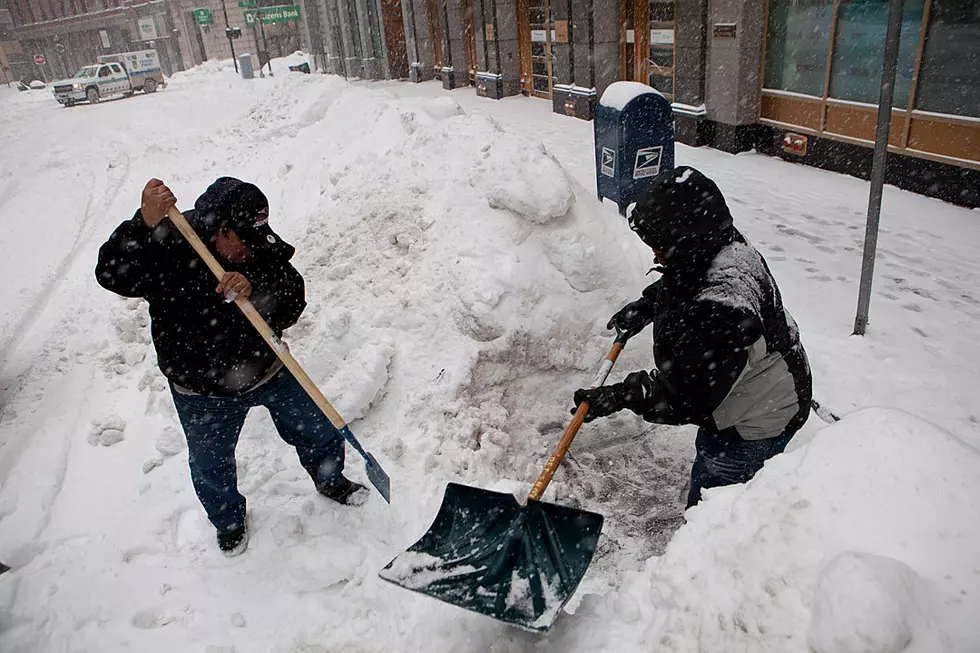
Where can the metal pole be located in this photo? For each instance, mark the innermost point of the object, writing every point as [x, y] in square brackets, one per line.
[878, 166]
[231, 42]
[265, 44]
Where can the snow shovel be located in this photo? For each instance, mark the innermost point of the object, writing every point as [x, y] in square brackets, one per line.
[487, 553]
[378, 477]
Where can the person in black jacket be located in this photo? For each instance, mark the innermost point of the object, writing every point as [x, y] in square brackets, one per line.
[217, 364]
[728, 355]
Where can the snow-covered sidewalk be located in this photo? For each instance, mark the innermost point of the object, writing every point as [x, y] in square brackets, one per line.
[459, 273]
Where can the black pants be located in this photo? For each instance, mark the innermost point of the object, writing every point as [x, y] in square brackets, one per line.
[724, 458]
[212, 425]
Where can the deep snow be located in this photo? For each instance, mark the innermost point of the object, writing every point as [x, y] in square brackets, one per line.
[459, 273]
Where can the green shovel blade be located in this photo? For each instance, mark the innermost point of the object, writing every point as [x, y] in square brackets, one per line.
[487, 553]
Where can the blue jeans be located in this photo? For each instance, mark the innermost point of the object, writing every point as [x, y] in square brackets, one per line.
[724, 458]
[212, 426]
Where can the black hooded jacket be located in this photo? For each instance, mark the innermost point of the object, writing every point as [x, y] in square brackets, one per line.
[203, 343]
[727, 353]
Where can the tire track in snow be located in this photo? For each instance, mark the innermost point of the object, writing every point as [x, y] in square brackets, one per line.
[23, 326]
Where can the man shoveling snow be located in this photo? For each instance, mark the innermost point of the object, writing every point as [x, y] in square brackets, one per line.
[217, 364]
[728, 355]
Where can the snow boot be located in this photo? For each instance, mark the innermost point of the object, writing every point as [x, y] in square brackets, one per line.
[345, 492]
[233, 543]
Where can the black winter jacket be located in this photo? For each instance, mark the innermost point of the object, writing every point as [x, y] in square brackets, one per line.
[727, 353]
[203, 343]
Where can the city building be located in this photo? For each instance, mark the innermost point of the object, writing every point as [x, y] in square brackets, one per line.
[60, 36]
[793, 78]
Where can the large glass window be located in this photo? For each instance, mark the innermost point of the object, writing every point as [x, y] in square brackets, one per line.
[859, 50]
[949, 81]
[355, 35]
[375, 28]
[796, 45]
[662, 46]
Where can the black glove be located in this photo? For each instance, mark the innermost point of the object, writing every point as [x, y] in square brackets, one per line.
[632, 318]
[604, 400]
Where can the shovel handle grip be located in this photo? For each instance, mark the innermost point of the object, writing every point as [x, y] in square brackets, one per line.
[572, 429]
[270, 337]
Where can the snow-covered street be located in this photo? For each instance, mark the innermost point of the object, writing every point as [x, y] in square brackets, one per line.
[460, 272]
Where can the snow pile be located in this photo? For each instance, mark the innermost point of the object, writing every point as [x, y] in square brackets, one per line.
[863, 603]
[864, 539]
[445, 322]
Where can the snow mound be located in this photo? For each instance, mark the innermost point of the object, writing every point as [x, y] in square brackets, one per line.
[862, 605]
[530, 183]
[771, 565]
[361, 379]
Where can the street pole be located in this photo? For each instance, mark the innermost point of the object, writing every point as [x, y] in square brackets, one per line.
[231, 42]
[265, 44]
[878, 165]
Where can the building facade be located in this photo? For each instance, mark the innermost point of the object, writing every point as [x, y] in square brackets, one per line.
[267, 28]
[60, 36]
[794, 78]
[359, 39]
[57, 37]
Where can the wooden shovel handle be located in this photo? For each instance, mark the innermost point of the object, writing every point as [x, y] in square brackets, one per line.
[566, 439]
[258, 322]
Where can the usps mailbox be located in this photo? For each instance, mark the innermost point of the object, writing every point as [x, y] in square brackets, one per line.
[634, 141]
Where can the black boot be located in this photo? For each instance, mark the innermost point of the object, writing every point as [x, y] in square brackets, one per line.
[234, 542]
[344, 491]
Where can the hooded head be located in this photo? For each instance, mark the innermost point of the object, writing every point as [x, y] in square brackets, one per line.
[682, 211]
[235, 205]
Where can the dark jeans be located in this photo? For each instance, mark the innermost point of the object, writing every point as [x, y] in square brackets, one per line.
[724, 458]
[212, 426]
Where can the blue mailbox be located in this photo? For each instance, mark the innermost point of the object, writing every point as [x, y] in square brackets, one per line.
[634, 141]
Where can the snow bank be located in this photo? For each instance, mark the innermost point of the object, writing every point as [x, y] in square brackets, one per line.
[865, 539]
[446, 320]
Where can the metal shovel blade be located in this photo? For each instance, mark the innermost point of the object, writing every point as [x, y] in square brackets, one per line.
[375, 473]
[487, 553]
[378, 477]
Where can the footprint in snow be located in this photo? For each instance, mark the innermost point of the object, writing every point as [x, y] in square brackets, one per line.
[151, 619]
[107, 431]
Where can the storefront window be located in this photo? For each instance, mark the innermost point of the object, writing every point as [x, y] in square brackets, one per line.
[796, 45]
[949, 81]
[354, 35]
[661, 60]
[859, 50]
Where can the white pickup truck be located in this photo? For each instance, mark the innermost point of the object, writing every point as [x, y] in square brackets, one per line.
[115, 74]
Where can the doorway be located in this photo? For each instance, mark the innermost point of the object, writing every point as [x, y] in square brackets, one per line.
[647, 54]
[537, 58]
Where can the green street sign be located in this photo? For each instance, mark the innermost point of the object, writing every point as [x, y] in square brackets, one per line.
[273, 15]
[247, 3]
[203, 16]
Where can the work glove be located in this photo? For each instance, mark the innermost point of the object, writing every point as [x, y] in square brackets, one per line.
[604, 400]
[632, 318]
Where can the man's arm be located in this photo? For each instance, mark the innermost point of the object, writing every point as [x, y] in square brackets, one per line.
[708, 359]
[635, 316]
[279, 295]
[129, 261]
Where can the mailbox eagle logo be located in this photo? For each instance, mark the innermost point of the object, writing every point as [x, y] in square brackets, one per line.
[608, 166]
[647, 162]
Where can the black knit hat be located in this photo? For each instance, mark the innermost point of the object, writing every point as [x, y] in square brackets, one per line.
[679, 208]
[237, 205]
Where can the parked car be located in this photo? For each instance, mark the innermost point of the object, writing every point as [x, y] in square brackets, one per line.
[115, 74]
[37, 84]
